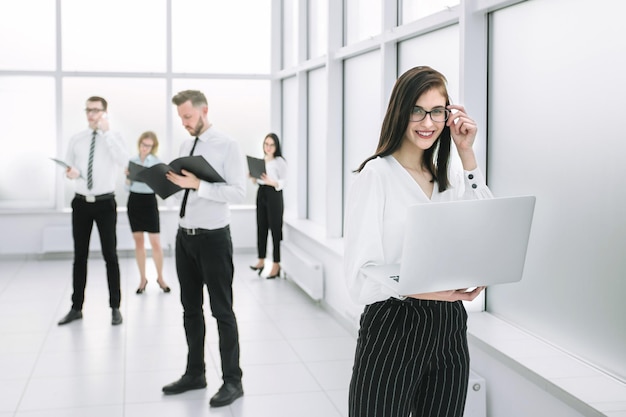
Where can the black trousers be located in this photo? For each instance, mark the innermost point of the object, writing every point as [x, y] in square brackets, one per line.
[207, 259]
[104, 214]
[269, 216]
[411, 357]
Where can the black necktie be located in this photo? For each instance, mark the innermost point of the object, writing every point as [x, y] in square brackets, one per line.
[92, 147]
[182, 206]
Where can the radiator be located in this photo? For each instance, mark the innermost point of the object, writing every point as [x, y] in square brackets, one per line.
[302, 269]
[58, 239]
[476, 404]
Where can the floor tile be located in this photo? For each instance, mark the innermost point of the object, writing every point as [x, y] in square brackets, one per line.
[91, 368]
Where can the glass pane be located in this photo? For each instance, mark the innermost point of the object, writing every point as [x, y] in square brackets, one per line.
[239, 108]
[135, 105]
[575, 267]
[290, 143]
[221, 36]
[26, 172]
[27, 30]
[363, 19]
[116, 35]
[318, 28]
[290, 33]
[317, 146]
[363, 110]
[416, 9]
[426, 50]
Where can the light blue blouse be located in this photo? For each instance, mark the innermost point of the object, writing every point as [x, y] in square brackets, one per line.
[142, 187]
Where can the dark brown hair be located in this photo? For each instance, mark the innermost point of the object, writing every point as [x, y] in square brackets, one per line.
[105, 105]
[198, 99]
[407, 90]
[274, 137]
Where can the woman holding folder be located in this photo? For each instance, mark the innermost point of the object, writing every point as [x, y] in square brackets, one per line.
[269, 204]
[143, 213]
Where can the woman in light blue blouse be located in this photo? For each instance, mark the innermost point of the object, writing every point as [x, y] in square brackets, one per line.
[143, 213]
[270, 205]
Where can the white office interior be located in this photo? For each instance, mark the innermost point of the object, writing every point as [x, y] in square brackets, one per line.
[544, 79]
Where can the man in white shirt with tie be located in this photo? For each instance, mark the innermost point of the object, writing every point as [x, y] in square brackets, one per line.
[204, 248]
[94, 155]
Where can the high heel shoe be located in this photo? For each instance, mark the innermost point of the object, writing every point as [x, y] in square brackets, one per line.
[165, 288]
[257, 269]
[142, 288]
[277, 275]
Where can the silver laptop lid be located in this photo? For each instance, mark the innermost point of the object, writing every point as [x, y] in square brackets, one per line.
[462, 244]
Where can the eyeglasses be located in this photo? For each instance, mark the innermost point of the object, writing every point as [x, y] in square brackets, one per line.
[146, 145]
[88, 110]
[438, 114]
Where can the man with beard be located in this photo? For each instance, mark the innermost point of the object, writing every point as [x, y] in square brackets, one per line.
[204, 248]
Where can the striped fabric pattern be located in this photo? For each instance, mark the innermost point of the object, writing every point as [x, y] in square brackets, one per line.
[92, 148]
[411, 359]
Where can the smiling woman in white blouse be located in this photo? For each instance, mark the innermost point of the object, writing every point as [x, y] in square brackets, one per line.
[411, 355]
[270, 204]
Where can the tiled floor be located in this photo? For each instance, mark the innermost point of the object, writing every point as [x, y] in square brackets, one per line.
[296, 358]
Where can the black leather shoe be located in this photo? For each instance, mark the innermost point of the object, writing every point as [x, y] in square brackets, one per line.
[226, 395]
[116, 317]
[185, 383]
[71, 316]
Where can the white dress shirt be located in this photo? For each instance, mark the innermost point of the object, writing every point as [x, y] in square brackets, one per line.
[375, 216]
[208, 207]
[276, 169]
[110, 155]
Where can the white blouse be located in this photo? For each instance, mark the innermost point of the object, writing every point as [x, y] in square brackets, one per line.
[375, 216]
[276, 169]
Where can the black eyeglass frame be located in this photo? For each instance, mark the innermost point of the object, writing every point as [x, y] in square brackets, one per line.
[430, 113]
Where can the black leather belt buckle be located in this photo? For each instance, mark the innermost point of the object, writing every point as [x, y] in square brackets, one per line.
[190, 232]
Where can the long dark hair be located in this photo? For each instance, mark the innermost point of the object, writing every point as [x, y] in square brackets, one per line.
[274, 137]
[407, 90]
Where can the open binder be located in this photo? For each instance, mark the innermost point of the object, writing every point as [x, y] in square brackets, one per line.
[155, 177]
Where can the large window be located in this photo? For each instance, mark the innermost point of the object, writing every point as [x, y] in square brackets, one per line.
[362, 20]
[573, 286]
[124, 52]
[316, 149]
[23, 48]
[28, 132]
[416, 9]
[363, 111]
[221, 36]
[119, 35]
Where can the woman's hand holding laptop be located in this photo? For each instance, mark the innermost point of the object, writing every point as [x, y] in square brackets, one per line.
[465, 294]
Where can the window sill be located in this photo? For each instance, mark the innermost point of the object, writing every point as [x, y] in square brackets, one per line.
[567, 378]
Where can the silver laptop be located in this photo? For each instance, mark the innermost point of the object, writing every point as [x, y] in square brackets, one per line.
[461, 244]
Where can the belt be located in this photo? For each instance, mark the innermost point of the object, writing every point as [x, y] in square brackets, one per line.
[94, 198]
[199, 231]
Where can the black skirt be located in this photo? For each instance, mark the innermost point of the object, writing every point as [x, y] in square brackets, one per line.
[143, 213]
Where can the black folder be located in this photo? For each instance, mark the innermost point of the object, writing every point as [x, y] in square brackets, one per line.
[156, 179]
[256, 166]
[64, 165]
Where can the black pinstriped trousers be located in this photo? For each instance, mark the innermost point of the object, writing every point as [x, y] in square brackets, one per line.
[411, 357]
